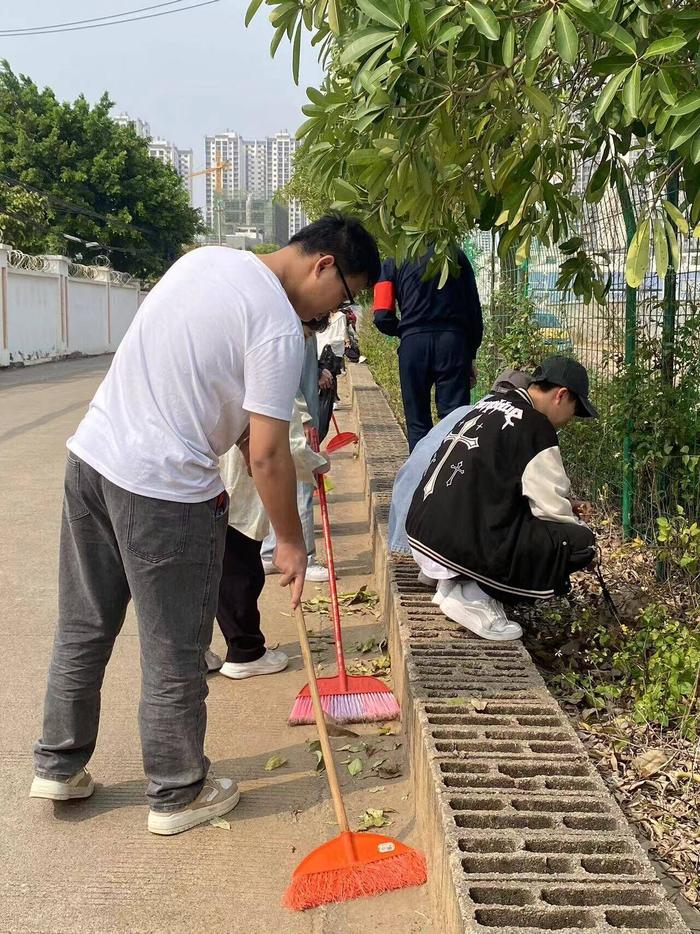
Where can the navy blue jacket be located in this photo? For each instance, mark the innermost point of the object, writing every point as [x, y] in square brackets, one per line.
[424, 307]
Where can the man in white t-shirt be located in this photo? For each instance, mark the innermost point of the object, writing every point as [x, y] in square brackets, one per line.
[214, 354]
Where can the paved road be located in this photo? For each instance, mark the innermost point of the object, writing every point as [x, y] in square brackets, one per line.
[81, 867]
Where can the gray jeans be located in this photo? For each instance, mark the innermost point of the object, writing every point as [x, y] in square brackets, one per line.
[116, 546]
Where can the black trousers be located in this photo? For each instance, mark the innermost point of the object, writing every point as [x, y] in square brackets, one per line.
[581, 543]
[242, 581]
[432, 358]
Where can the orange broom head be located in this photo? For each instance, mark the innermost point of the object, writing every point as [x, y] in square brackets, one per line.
[352, 699]
[341, 440]
[353, 865]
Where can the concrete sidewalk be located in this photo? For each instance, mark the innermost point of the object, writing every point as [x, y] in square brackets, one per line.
[92, 866]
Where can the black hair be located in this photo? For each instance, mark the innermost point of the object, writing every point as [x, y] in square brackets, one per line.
[546, 386]
[344, 238]
[318, 325]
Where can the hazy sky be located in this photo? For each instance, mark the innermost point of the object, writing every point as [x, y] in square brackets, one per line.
[196, 72]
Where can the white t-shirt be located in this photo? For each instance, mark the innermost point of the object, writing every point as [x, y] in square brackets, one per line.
[333, 335]
[215, 340]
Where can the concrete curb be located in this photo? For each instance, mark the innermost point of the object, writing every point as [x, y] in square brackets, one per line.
[521, 834]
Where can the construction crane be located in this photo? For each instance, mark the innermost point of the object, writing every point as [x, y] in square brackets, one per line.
[217, 206]
[219, 176]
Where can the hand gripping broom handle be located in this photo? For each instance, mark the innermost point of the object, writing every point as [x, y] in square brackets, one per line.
[335, 604]
[340, 814]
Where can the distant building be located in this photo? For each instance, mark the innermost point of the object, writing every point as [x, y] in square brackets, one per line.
[243, 212]
[161, 149]
[258, 167]
[140, 127]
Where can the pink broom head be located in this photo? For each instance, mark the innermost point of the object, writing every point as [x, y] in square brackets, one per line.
[354, 865]
[356, 699]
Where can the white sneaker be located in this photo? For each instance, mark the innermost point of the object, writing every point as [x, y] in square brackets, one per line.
[362, 359]
[270, 663]
[426, 581]
[317, 573]
[79, 785]
[269, 567]
[468, 605]
[214, 661]
[444, 589]
[217, 797]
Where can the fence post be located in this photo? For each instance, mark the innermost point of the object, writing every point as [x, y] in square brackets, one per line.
[4, 310]
[59, 265]
[630, 355]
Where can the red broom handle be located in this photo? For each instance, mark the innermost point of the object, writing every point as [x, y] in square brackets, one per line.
[335, 603]
[332, 775]
[335, 424]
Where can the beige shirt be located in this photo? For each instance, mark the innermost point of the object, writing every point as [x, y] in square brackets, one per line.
[246, 512]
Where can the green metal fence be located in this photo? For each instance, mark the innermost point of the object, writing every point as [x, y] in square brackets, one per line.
[642, 349]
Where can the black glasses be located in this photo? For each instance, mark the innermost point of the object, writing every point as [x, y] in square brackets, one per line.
[350, 300]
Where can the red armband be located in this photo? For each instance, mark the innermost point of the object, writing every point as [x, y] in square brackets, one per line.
[384, 296]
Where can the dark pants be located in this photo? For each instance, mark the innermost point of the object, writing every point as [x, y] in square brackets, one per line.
[116, 546]
[580, 542]
[433, 358]
[242, 581]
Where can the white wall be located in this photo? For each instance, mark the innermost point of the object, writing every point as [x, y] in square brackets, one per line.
[50, 308]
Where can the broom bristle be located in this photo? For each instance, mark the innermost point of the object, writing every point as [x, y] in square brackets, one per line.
[340, 885]
[347, 708]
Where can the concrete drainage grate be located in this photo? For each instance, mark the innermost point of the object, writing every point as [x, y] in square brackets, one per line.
[523, 836]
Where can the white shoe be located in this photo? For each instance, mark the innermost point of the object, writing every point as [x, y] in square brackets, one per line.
[79, 785]
[270, 663]
[317, 573]
[468, 605]
[362, 359]
[217, 797]
[269, 567]
[426, 581]
[214, 661]
[444, 589]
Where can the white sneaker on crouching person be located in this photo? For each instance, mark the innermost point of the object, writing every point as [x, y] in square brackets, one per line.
[214, 661]
[468, 605]
[79, 785]
[217, 797]
[269, 664]
[444, 589]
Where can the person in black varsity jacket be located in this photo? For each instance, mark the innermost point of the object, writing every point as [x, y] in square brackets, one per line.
[440, 331]
[491, 520]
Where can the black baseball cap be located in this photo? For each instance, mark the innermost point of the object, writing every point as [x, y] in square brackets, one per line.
[571, 375]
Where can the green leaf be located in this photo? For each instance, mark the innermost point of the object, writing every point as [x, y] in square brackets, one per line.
[483, 18]
[683, 130]
[539, 100]
[660, 248]
[252, 10]
[362, 157]
[276, 39]
[630, 93]
[586, 6]
[508, 47]
[638, 255]
[687, 104]
[355, 767]
[621, 38]
[566, 38]
[609, 64]
[275, 762]
[571, 246]
[365, 41]
[380, 12]
[296, 53]
[539, 34]
[674, 249]
[444, 273]
[665, 46]
[416, 21]
[523, 251]
[676, 216]
[666, 88]
[334, 17]
[696, 231]
[695, 149]
[608, 93]
[344, 191]
[448, 32]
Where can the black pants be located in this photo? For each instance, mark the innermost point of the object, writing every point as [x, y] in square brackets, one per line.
[581, 544]
[433, 358]
[242, 581]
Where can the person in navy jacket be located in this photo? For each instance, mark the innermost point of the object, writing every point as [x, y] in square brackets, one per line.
[440, 332]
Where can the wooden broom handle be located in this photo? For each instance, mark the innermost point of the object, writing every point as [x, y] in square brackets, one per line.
[340, 814]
